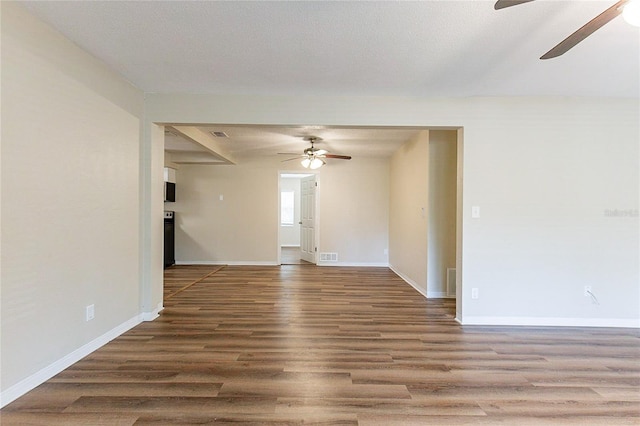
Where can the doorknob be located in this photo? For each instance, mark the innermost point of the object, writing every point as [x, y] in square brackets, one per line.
[300, 223]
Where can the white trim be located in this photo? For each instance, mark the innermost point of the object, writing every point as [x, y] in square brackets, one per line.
[229, 262]
[439, 295]
[36, 379]
[150, 316]
[356, 264]
[290, 245]
[554, 322]
[271, 263]
[409, 281]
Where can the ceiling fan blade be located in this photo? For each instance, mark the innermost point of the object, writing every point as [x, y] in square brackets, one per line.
[340, 157]
[501, 4]
[288, 153]
[585, 31]
[321, 152]
[291, 159]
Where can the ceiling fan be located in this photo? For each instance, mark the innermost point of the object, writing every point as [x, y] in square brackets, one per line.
[313, 158]
[629, 8]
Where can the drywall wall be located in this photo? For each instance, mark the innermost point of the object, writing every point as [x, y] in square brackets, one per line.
[70, 206]
[543, 170]
[242, 228]
[290, 234]
[152, 220]
[441, 227]
[227, 214]
[354, 211]
[408, 205]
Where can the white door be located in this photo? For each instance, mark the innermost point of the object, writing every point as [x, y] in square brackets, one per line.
[308, 219]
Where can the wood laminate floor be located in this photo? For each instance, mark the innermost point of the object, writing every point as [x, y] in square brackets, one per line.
[291, 256]
[336, 346]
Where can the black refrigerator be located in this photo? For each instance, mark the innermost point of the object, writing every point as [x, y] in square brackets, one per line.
[169, 239]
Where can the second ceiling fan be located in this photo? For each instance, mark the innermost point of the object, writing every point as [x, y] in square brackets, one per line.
[630, 8]
[313, 158]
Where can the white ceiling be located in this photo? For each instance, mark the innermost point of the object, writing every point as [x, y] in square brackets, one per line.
[424, 48]
[251, 141]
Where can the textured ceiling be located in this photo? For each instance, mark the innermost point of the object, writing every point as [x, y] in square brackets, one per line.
[424, 48]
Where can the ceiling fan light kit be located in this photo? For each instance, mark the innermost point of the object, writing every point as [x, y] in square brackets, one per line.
[313, 158]
[631, 12]
[316, 163]
[630, 9]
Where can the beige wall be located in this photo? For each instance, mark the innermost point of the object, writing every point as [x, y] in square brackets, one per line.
[354, 211]
[544, 171]
[441, 211]
[240, 228]
[70, 201]
[408, 204]
[243, 227]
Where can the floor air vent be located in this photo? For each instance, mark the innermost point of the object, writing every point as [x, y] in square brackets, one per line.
[328, 257]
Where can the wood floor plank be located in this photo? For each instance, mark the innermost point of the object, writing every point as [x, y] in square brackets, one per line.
[66, 419]
[293, 345]
[502, 420]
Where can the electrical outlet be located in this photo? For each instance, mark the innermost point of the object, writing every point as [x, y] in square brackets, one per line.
[90, 312]
[475, 212]
[587, 290]
[475, 293]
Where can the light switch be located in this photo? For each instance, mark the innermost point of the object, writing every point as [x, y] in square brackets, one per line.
[475, 293]
[221, 197]
[475, 212]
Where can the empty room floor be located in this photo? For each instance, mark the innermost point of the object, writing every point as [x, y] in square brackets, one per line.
[342, 346]
[291, 256]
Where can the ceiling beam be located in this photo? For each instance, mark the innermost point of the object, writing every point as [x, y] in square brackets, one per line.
[205, 140]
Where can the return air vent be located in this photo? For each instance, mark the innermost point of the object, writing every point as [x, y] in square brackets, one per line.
[328, 257]
[451, 282]
[220, 134]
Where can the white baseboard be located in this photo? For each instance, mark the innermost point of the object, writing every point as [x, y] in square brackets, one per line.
[428, 294]
[290, 245]
[438, 295]
[36, 379]
[355, 264]
[274, 263]
[229, 262]
[150, 316]
[553, 322]
[409, 281]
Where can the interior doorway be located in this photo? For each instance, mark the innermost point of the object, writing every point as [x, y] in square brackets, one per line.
[297, 228]
[291, 256]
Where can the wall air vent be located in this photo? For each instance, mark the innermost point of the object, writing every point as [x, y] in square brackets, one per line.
[451, 282]
[328, 257]
[219, 134]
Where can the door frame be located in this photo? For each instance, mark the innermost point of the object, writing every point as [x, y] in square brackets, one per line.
[317, 210]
